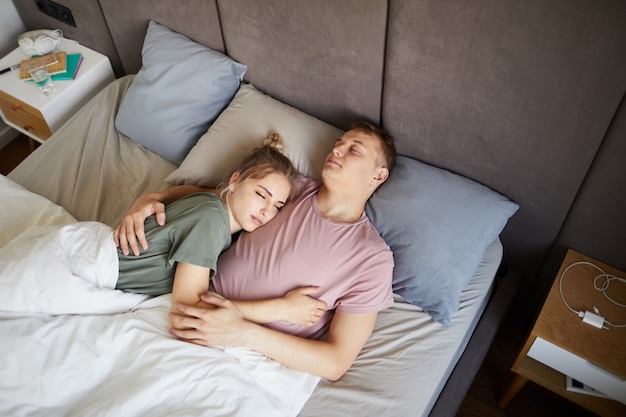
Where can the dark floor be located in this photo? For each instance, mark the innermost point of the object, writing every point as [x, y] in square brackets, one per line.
[13, 153]
[492, 378]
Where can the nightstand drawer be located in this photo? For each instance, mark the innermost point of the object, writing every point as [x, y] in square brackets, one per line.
[24, 116]
[569, 364]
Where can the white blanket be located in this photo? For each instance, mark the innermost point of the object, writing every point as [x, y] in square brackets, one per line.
[63, 269]
[119, 359]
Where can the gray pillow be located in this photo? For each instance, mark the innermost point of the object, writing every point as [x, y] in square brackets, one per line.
[180, 89]
[438, 225]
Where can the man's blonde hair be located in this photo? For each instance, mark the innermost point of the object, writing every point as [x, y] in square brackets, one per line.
[387, 147]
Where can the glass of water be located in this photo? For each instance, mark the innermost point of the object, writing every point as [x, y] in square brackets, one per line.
[40, 75]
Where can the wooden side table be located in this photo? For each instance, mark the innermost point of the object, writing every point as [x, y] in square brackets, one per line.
[25, 109]
[561, 344]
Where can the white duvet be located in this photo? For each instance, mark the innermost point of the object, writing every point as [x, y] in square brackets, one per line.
[70, 347]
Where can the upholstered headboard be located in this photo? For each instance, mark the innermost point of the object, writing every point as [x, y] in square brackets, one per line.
[521, 96]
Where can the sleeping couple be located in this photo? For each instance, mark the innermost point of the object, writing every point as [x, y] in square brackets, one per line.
[319, 265]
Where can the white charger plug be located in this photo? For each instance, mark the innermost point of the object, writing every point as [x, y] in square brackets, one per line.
[592, 319]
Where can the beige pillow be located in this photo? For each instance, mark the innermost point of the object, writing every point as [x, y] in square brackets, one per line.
[247, 121]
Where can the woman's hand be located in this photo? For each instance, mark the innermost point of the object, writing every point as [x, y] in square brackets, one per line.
[297, 307]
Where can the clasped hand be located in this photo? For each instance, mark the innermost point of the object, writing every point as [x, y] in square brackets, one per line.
[213, 321]
[217, 321]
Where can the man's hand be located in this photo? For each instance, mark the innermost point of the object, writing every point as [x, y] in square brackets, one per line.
[176, 315]
[131, 230]
[298, 308]
[215, 323]
[226, 326]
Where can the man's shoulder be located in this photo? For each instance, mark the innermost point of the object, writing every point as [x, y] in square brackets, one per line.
[307, 185]
[306, 188]
[373, 237]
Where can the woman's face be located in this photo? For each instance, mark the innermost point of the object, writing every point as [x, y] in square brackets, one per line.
[256, 201]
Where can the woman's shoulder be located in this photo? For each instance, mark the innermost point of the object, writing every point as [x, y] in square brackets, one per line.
[197, 202]
[200, 197]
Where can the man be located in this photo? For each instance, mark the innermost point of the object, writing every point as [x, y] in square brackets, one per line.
[322, 240]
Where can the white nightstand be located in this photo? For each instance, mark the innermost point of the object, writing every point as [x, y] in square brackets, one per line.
[24, 108]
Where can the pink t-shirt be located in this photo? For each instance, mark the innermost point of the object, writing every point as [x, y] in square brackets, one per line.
[350, 262]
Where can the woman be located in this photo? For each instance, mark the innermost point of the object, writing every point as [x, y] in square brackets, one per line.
[183, 254]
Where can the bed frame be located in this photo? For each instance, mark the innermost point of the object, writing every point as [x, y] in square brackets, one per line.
[524, 97]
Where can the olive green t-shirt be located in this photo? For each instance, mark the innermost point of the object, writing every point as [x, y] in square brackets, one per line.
[196, 231]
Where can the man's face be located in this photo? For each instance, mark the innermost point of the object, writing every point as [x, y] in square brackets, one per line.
[354, 161]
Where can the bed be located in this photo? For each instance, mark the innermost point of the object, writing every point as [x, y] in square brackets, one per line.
[64, 331]
[394, 63]
[80, 350]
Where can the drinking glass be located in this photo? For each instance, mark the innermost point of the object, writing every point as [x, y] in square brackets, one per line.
[40, 75]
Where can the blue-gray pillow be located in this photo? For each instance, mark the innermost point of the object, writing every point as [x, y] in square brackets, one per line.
[179, 91]
[438, 225]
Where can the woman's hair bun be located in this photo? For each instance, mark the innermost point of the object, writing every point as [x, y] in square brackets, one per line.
[274, 141]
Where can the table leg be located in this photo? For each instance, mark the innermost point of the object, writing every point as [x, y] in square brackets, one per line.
[514, 387]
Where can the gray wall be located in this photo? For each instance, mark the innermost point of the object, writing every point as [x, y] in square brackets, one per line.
[525, 97]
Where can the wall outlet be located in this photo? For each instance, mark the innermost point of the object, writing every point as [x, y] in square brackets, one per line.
[56, 10]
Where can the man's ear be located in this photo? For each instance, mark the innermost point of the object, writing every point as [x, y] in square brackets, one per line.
[382, 174]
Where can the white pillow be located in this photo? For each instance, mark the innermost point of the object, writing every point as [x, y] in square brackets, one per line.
[247, 121]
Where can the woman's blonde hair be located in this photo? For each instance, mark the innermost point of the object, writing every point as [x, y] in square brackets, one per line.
[264, 160]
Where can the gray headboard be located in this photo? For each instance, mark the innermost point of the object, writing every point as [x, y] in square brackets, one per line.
[525, 97]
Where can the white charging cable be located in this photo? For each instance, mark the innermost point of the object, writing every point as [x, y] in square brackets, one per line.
[594, 319]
